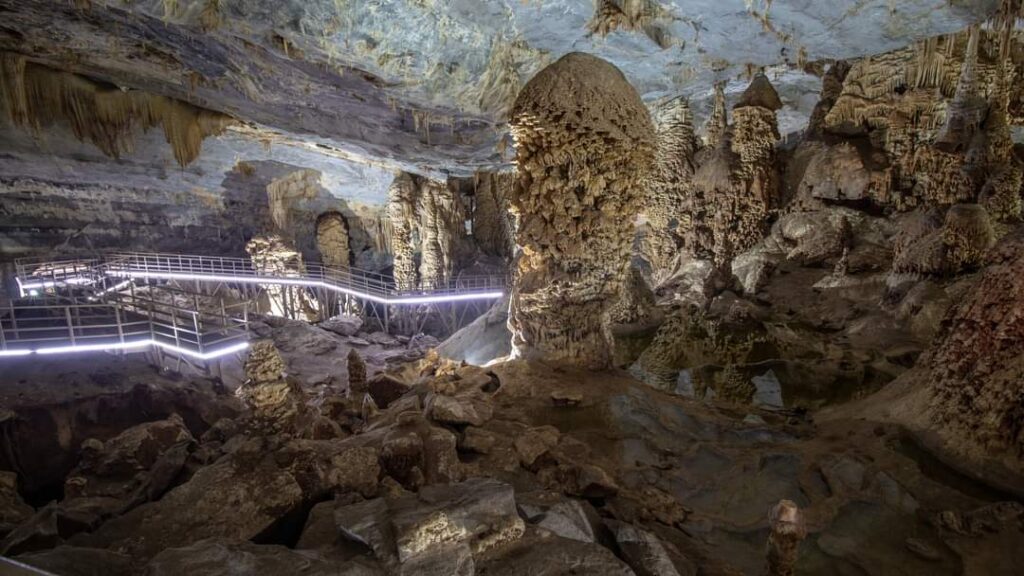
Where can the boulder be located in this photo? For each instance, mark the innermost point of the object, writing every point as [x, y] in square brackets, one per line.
[477, 440]
[436, 531]
[480, 512]
[355, 470]
[533, 443]
[136, 466]
[13, 510]
[237, 497]
[643, 551]
[555, 556]
[385, 389]
[218, 556]
[553, 512]
[457, 411]
[343, 325]
[73, 561]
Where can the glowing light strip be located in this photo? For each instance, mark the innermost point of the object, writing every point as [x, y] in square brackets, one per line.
[128, 346]
[310, 283]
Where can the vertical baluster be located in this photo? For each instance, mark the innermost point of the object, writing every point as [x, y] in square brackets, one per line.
[199, 339]
[14, 321]
[71, 327]
[120, 328]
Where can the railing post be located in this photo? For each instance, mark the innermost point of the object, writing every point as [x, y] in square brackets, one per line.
[3, 339]
[174, 327]
[120, 328]
[199, 338]
[71, 326]
[14, 320]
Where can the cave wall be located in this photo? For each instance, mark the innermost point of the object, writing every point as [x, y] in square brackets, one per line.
[62, 196]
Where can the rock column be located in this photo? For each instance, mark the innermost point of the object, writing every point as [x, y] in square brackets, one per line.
[584, 143]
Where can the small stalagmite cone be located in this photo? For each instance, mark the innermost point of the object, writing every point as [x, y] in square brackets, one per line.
[787, 531]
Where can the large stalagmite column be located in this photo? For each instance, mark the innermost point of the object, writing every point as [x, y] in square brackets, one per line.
[401, 210]
[584, 143]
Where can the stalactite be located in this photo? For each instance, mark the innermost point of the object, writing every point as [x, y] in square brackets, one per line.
[717, 124]
[584, 143]
[284, 192]
[632, 15]
[401, 211]
[105, 115]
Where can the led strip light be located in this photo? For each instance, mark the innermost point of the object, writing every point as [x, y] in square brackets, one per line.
[312, 284]
[129, 346]
[400, 300]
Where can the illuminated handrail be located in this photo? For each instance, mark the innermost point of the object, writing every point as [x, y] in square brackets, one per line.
[56, 326]
[352, 281]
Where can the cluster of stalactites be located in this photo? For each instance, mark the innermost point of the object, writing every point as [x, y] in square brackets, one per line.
[35, 95]
[584, 145]
[633, 15]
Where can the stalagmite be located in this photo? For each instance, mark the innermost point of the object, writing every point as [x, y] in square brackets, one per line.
[332, 240]
[584, 144]
[670, 206]
[787, 531]
[356, 373]
[739, 182]
[277, 404]
[401, 211]
[493, 228]
[272, 255]
[967, 235]
[967, 109]
[441, 224]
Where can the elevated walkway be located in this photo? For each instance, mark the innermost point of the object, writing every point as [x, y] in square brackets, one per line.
[91, 304]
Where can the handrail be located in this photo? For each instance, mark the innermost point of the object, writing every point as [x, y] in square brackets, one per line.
[120, 324]
[350, 280]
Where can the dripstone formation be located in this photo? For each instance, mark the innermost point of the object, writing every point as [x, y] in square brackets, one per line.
[740, 293]
[584, 144]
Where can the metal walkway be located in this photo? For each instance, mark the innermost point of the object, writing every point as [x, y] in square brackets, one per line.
[40, 275]
[92, 304]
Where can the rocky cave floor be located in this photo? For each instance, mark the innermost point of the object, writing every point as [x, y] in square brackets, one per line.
[437, 467]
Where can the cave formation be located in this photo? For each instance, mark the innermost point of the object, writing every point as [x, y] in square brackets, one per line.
[609, 287]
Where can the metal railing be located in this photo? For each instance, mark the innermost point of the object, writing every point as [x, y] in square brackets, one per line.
[353, 281]
[122, 322]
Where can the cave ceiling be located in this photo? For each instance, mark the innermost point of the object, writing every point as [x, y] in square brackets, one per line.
[425, 85]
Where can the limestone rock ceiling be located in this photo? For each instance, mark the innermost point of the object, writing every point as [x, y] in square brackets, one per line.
[425, 84]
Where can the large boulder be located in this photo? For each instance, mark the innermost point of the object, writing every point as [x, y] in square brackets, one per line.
[218, 556]
[13, 510]
[439, 530]
[237, 497]
[136, 466]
